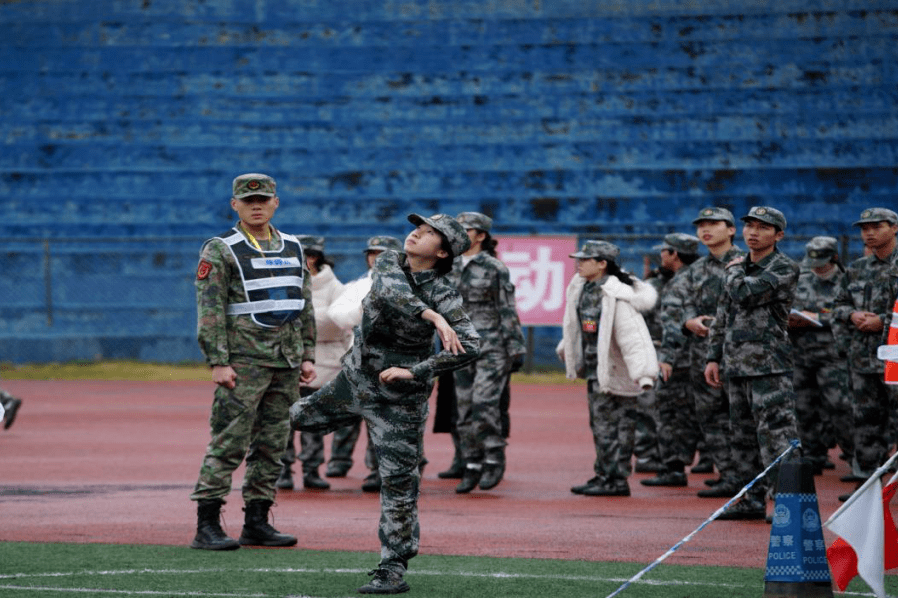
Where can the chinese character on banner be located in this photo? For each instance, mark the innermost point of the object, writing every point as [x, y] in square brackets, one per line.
[540, 270]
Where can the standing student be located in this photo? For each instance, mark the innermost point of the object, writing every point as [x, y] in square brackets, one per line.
[388, 375]
[331, 342]
[750, 337]
[678, 433]
[821, 378]
[488, 298]
[605, 340]
[699, 293]
[256, 328]
[864, 306]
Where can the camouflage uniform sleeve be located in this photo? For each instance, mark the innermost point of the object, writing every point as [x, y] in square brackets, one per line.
[448, 303]
[508, 316]
[307, 319]
[843, 306]
[717, 333]
[752, 291]
[670, 317]
[389, 283]
[212, 283]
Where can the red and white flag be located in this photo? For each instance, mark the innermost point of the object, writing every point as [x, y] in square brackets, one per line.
[868, 541]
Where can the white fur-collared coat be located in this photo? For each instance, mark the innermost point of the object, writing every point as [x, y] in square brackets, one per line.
[627, 362]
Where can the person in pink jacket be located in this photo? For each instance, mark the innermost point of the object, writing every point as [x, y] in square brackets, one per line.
[605, 340]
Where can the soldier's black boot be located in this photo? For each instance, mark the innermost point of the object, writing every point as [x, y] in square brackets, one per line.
[493, 470]
[313, 481]
[12, 408]
[285, 479]
[209, 535]
[256, 529]
[470, 479]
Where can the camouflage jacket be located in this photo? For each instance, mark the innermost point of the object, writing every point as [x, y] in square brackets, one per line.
[675, 343]
[818, 295]
[392, 332]
[870, 284]
[701, 291]
[750, 331]
[488, 298]
[658, 279]
[226, 339]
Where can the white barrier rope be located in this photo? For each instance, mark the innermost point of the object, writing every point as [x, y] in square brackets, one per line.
[794, 444]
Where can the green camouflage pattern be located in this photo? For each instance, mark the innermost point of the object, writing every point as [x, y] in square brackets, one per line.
[870, 284]
[762, 414]
[488, 298]
[392, 333]
[750, 331]
[228, 339]
[821, 377]
[612, 419]
[251, 421]
[698, 291]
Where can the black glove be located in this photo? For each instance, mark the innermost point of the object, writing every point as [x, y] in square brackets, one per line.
[517, 363]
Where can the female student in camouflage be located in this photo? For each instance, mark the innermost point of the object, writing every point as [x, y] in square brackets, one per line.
[488, 298]
[387, 377]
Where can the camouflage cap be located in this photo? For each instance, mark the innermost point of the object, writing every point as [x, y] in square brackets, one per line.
[600, 250]
[311, 243]
[679, 242]
[767, 215]
[819, 251]
[715, 213]
[254, 183]
[383, 243]
[871, 215]
[449, 227]
[475, 220]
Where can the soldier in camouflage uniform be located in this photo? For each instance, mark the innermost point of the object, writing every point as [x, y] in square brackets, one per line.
[488, 297]
[697, 296]
[864, 307]
[749, 337]
[388, 374]
[256, 328]
[679, 434]
[821, 378]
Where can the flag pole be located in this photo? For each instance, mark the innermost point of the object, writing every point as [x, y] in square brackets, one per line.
[876, 475]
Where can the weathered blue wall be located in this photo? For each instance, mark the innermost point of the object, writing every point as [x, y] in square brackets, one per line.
[127, 120]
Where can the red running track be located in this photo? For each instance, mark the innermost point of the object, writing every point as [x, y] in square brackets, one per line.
[115, 462]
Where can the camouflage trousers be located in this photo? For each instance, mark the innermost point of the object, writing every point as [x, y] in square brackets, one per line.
[645, 436]
[823, 408]
[311, 445]
[396, 429]
[678, 433]
[873, 408]
[712, 411]
[762, 418]
[612, 419]
[478, 392]
[251, 421]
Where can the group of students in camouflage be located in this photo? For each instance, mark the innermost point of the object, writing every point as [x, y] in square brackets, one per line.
[757, 350]
[723, 358]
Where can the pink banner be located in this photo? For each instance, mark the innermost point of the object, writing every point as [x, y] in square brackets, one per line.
[540, 270]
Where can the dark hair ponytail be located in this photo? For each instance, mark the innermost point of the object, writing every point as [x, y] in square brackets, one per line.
[444, 264]
[614, 270]
[489, 244]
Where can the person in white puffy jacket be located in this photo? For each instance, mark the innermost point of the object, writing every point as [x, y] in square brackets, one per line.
[331, 343]
[605, 340]
[346, 312]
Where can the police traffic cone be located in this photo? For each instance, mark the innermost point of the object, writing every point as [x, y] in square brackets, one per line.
[796, 558]
[891, 374]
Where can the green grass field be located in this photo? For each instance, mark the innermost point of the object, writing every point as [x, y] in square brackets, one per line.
[110, 570]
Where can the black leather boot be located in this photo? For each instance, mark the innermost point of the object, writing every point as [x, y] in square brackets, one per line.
[256, 529]
[209, 535]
